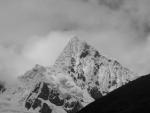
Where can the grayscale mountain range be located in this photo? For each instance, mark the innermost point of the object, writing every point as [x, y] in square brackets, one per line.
[79, 76]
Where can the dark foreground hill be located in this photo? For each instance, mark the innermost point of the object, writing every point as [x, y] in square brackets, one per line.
[131, 98]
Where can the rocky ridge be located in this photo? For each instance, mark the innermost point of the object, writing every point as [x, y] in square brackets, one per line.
[79, 76]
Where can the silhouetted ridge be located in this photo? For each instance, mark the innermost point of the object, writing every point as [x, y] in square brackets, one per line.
[131, 98]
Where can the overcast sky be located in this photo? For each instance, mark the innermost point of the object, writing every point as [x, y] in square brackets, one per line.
[35, 32]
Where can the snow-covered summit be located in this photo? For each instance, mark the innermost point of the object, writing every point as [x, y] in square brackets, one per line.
[79, 76]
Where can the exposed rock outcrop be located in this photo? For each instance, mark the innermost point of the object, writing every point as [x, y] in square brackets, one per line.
[89, 69]
[47, 97]
[79, 76]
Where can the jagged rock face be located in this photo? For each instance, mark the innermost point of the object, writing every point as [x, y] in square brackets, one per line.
[46, 97]
[92, 71]
[33, 76]
[79, 76]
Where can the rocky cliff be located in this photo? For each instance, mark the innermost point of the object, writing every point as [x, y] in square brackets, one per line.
[133, 97]
[79, 76]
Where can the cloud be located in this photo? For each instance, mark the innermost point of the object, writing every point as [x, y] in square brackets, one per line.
[22, 19]
[34, 31]
[140, 58]
[45, 50]
[37, 50]
[112, 4]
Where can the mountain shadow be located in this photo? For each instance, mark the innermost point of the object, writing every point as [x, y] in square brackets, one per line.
[131, 98]
[2, 86]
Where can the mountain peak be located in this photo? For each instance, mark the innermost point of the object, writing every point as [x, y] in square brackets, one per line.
[79, 76]
[75, 39]
[71, 49]
[82, 58]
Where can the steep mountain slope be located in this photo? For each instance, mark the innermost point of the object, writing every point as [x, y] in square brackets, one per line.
[131, 98]
[79, 76]
[89, 68]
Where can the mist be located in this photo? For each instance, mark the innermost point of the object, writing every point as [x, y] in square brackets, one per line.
[35, 32]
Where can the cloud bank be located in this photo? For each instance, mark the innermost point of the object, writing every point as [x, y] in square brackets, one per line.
[35, 31]
[37, 50]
